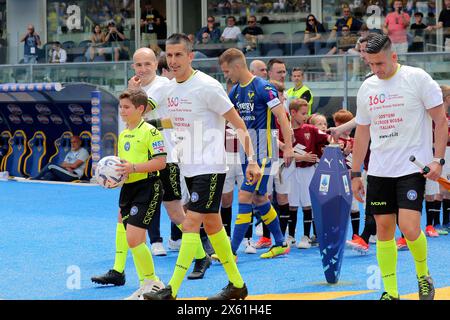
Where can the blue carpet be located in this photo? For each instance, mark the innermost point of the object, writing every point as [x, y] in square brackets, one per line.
[55, 237]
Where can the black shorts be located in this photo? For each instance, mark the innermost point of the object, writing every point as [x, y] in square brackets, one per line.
[206, 192]
[140, 201]
[170, 178]
[388, 195]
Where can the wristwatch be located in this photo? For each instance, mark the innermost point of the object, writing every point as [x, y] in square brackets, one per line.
[441, 161]
[355, 174]
[251, 158]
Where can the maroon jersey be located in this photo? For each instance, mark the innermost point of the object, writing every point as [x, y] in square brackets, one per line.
[312, 138]
[231, 140]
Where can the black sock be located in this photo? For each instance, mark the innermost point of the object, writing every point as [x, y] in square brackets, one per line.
[307, 221]
[429, 210]
[355, 222]
[437, 212]
[292, 222]
[226, 214]
[370, 228]
[445, 211]
[284, 217]
[266, 232]
[249, 233]
[175, 232]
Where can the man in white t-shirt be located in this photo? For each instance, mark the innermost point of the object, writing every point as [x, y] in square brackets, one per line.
[395, 109]
[198, 107]
[231, 31]
[72, 167]
[145, 66]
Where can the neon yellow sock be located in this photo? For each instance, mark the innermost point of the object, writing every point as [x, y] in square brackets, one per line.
[387, 260]
[200, 252]
[418, 250]
[188, 247]
[222, 247]
[143, 261]
[121, 248]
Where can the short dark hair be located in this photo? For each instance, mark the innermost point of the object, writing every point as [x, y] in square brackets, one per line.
[418, 14]
[273, 61]
[162, 64]
[377, 43]
[294, 69]
[180, 38]
[138, 97]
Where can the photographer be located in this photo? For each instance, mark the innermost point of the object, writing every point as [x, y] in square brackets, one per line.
[113, 37]
[395, 27]
[32, 42]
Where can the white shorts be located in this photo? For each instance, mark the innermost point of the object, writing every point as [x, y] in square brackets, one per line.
[431, 187]
[234, 173]
[299, 187]
[281, 185]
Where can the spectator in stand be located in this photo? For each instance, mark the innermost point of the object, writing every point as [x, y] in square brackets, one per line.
[347, 20]
[113, 38]
[211, 30]
[207, 46]
[417, 29]
[444, 22]
[31, 43]
[97, 42]
[252, 34]
[148, 32]
[258, 68]
[357, 51]
[313, 34]
[57, 54]
[344, 42]
[231, 33]
[396, 26]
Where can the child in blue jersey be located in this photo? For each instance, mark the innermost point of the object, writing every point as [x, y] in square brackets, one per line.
[256, 100]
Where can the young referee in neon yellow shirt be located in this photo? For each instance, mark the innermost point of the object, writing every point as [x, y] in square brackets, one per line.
[142, 151]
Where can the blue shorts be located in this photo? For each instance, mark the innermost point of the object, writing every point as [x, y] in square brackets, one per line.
[261, 186]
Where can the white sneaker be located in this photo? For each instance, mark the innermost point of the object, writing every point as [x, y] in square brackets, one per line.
[174, 245]
[147, 286]
[290, 240]
[249, 246]
[259, 230]
[304, 243]
[373, 239]
[158, 249]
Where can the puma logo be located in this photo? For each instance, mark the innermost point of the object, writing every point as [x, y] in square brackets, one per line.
[328, 162]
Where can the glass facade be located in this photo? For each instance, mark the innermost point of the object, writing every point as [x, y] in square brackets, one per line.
[73, 23]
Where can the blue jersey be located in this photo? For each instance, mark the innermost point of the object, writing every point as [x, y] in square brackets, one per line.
[254, 102]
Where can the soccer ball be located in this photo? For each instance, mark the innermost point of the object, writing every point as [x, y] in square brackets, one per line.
[106, 174]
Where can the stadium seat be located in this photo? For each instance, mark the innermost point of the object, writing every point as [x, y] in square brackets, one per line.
[253, 53]
[109, 147]
[84, 44]
[88, 170]
[68, 45]
[62, 147]
[13, 161]
[5, 148]
[79, 59]
[275, 52]
[199, 55]
[99, 58]
[37, 146]
[86, 140]
[303, 51]
[297, 41]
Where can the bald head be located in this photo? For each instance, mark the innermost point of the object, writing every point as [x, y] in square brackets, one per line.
[144, 65]
[258, 68]
[144, 53]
